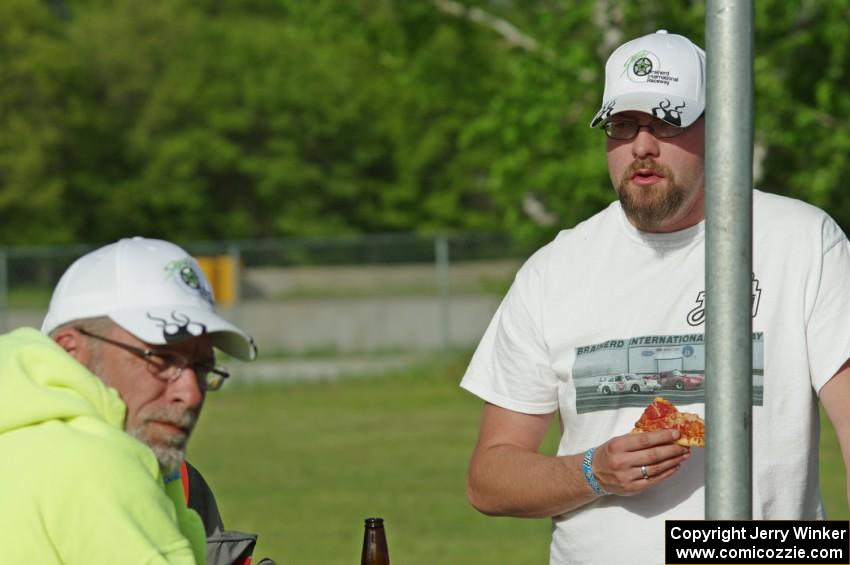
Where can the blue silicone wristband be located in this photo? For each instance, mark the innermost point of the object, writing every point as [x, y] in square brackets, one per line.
[588, 473]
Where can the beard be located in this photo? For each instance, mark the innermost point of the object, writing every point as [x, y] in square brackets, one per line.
[650, 207]
[170, 450]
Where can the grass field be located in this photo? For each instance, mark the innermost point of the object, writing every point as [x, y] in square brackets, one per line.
[304, 464]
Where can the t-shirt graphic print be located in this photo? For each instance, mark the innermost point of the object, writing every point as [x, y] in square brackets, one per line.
[631, 371]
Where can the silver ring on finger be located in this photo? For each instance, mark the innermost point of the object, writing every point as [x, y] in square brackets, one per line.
[644, 473]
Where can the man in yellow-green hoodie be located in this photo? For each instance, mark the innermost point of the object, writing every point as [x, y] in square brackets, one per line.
[96, 411]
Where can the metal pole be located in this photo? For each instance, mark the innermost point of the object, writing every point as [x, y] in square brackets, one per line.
[236, 261]
[441, 254]
[729, 198]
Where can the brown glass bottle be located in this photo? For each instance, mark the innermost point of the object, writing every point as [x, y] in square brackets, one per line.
[375, 550]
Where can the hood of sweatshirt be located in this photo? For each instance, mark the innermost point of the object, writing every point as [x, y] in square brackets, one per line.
[39, 382]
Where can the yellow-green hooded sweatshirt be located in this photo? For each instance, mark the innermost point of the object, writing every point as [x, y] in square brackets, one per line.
[74, 487]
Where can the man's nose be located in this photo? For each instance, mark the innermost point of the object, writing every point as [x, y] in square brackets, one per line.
[187, 389]
[645, 144]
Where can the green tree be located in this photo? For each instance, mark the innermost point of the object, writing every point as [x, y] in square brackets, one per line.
[803, 101]
[33, 72]
[249, 118]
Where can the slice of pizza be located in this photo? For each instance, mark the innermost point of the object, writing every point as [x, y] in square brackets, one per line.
[662, 415]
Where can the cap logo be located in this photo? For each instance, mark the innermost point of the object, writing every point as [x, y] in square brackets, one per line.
[673, 116]
[188, 275]
[604, 113]
[179, 328]
[642, 67]
[645, 66]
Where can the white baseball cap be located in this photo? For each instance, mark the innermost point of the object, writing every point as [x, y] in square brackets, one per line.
[151, 288]
[661, 74]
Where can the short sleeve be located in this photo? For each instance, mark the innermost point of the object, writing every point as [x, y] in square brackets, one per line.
[828, 325]
[511, 366]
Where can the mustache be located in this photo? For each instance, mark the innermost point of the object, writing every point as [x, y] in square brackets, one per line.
[645, 164]
[174, 415]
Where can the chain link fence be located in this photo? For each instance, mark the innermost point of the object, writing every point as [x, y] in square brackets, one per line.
[303, 296]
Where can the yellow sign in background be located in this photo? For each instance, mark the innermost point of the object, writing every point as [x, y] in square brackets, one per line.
[223, 274]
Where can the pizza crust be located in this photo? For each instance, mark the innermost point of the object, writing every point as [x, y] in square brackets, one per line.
[691, 442]
[662, 415]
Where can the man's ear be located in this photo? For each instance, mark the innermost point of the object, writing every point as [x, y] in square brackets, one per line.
[75, 343]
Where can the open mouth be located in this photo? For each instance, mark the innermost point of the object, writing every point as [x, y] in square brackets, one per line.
[646, 176]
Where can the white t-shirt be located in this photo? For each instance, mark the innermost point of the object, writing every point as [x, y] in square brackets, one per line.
[605, 307]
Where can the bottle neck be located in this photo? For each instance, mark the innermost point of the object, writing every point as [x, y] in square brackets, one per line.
[375, 551]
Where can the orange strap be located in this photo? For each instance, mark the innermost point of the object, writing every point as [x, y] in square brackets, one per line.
[184, 479]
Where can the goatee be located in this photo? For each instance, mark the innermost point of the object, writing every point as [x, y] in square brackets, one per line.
[170, 451]
[650, 207]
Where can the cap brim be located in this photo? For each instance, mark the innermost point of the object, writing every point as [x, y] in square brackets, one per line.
[658, 105]
[160, 326]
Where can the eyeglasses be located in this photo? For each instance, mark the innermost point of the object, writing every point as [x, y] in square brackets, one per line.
[169, 365]
[628, 129]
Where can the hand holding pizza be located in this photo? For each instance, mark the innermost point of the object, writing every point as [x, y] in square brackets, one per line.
[662, 415]
[654, 451]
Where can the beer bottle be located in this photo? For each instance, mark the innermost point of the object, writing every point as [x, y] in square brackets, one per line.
[375, 550]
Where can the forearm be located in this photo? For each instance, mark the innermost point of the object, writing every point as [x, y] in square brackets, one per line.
[506, 480]
[835, 396]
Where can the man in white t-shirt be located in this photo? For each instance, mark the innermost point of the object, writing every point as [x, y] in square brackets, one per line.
[621, 295]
